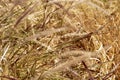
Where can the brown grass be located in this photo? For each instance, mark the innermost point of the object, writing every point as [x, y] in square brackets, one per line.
[59, 39]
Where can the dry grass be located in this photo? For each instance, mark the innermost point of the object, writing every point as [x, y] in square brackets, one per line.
[59, 39]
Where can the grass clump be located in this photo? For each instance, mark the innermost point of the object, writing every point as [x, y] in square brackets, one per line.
[59, 39]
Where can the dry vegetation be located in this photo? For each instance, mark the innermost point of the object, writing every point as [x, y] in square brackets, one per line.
[59, 39]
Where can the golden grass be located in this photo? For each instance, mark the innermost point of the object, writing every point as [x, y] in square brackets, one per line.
[59, 39]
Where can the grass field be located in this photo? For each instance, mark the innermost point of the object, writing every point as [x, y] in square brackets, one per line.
[59, 39]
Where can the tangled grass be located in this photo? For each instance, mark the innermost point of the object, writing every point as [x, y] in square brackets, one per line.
[59, 39]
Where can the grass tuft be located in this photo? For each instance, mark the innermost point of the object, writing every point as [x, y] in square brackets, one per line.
[59, 39]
